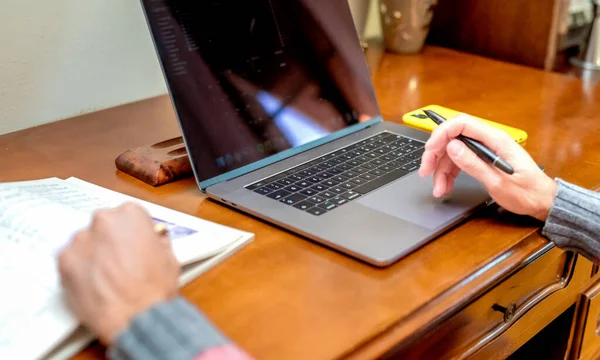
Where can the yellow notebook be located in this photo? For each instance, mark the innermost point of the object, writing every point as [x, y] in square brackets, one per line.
[417, 119]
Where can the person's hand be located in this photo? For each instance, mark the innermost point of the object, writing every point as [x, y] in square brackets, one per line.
[529, 191]
[116, 269]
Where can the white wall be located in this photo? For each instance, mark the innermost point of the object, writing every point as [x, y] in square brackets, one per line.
[60, 58]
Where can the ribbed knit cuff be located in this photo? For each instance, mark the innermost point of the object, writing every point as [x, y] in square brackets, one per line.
[574, 220]
[173, 330]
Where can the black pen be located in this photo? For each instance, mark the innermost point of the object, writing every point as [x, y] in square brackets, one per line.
[478, 148]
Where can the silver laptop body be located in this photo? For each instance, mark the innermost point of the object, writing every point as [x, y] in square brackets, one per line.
[281, 121]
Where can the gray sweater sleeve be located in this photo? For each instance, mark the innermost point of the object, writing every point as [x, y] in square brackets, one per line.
[574, 221]
[174, 330]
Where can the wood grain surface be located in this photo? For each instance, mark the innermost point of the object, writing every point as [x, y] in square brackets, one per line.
[283, 297]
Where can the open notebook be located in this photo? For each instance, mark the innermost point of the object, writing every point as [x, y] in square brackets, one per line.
[37, 218]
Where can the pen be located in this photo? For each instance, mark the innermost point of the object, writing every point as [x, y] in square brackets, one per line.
[161, 229]
[478, 148]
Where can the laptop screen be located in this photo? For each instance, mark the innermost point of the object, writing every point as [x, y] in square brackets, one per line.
[252, 78]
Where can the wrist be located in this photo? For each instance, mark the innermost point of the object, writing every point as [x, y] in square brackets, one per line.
[547, 193]
[122, 321]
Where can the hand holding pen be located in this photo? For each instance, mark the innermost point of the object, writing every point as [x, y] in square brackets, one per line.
[521, 187]
[478, 148]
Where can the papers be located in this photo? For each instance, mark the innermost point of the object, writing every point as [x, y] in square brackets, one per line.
[37, 219]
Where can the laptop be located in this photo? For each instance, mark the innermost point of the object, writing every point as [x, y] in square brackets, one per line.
[281, 121]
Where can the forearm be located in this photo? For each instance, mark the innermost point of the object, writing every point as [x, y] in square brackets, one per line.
[574, 221]
[173, 330]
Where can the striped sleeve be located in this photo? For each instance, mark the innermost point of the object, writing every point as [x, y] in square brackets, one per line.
[174, 330]
[574, 220]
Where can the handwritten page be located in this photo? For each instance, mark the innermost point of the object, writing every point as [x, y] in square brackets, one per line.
[37, 219]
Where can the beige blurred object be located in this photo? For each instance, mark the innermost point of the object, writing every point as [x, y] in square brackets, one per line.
[406, 24]
[589, 57]
[360, 14]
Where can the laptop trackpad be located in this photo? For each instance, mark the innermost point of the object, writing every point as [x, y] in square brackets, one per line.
[412, 199]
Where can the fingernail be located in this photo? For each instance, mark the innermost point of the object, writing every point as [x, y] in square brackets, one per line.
[456, 148]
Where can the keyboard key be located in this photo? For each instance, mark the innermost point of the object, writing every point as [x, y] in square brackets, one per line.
[394, 146]
[335, 161]
[316, 199]
[309, 192]
[383, 150]
[279, 176]
[315, 179]
[363, 159]
[368, 176]
[256, 185]
[378, 162]
[340, 178]
[381, 181]
[359, 181]
[350, 195]
[275, 186]
[391, 137]
[320, 187]
[410, 167]
[316, 211]
[306, 173]
[335, 171]
[388, 157]
[350, 174]
[372, 155]
[385, 168]
[293, 199]
[325, 175]
[354, 163]
[294, 178]
[279, 194]
[400, 162]
[338, 201]
[381, 135]
[339, 190]
[327, 206]
[360, 170]
[344, 167]
[348, 185]
[376, 172]
[304, 205]
[263, 190]
[317, 169]
[326, 157]
[331, 182]
[351, 147]
[304, 184]
[286, 181]
[293, 188]
[367, 148]
[368, 166]
[340, 152]
[328, 194]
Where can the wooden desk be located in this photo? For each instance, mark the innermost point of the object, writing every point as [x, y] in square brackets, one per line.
[283, 297]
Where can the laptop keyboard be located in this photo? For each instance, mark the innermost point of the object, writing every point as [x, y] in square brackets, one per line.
[335, 179]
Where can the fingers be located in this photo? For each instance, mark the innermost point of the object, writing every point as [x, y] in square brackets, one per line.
[497, 140]
[443, 177]
[494, 138]
[471, 164]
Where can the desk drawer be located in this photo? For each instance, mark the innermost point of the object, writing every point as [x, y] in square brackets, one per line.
[485, 321]
[586, 336]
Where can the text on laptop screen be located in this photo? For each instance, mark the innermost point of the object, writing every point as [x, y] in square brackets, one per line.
[252, 78]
